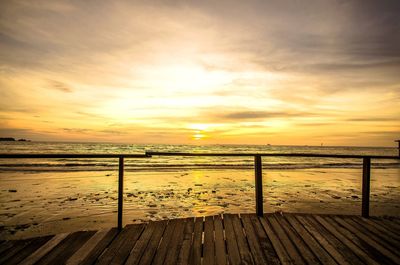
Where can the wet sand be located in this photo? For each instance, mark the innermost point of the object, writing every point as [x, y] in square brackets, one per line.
[46, 203]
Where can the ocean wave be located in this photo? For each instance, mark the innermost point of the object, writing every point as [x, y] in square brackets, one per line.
[186, 166]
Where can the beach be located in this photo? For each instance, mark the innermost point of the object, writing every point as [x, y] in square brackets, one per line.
[42, 203]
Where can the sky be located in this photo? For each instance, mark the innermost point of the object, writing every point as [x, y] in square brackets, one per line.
[201, 72]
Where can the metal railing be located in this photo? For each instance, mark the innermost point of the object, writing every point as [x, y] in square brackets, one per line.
[366, 170]
[120, 169]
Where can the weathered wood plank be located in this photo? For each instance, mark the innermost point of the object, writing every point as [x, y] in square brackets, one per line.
[209, 249]
[297, 240]
[195, 255]
[61, 253]
[290, 248]
[318, 251]
[366, 248]
[17, 247]
[43, 250]
[349, 225]
[165, 242]
[332, 250]
[252, 238]
[220, 250]
[265, 244]
[123, 251]
[184, 253]
[87, 248]
[175, 245]
[28, 250]
[100, 247]
[151, 248]
[375, 232]
[389, 224]
[231, 242]
[381, 228]
[141, 244]
[340, 234]
[243, 246]
[121, 245]
[6, 245]
[276, 243]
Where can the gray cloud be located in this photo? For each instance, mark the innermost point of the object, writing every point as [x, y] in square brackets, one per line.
[250, 115]
[57, 85]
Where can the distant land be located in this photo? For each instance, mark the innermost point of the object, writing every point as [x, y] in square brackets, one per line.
[10, 139]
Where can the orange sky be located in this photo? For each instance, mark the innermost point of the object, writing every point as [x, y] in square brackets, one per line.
[210, 72]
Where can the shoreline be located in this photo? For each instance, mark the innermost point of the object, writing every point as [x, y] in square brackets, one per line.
[47, 203]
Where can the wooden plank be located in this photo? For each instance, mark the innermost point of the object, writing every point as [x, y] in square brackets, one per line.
[265, 244]
[392, 226]
[43, 250]
[367, 248]
[378, 246]
[318, 251]
[297, 240]
[141, 244]
[395, 220]
[252, 238]
[276, 243]
[243, 246]
[100, 247]
[335, 230]
[184, 253]
[175, 245]
[290, 248]
[17, 247]
[28, 250]
[124, 250]
[6, 245]
[151, 249]
[220, 251]
[121, 245]
[381, 228]
[61, 253]
[331, 249]
[195, 255]
[165, 242]
[88, 247]
[209, 248]
[231, 242]
[376, 231]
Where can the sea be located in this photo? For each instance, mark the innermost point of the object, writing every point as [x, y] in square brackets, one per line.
[156, 163]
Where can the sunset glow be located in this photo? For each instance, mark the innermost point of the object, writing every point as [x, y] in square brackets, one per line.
[218, 72]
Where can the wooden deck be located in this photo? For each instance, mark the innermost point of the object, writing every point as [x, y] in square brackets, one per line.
[228, 239]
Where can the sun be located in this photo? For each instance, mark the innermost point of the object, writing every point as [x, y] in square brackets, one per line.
[198, 135]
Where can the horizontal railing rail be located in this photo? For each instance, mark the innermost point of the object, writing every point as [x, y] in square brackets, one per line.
[150, 153]
[366, 170]
[73, 155]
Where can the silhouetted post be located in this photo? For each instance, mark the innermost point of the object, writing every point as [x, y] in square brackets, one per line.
[398, 141]
[120, 190]
[259, 189]
[366, 186]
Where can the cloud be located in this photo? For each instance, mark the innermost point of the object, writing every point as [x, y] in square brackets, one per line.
[257, 115]
[60, 86]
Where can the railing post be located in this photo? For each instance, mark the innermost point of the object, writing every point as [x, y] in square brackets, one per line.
[258, 184]
[366, 186]
[120, 190]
